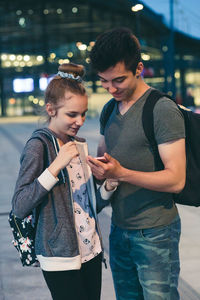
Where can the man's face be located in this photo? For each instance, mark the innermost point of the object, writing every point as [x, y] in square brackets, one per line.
[119, 82]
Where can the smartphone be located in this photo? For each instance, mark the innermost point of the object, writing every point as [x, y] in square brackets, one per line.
[102, 159]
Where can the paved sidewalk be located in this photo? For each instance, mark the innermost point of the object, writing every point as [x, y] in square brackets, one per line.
[17, 282]
[21, 283]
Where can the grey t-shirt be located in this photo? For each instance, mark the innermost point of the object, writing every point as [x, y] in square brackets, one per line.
[135, 207]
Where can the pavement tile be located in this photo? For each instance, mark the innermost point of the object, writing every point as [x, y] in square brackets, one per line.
[19, 283]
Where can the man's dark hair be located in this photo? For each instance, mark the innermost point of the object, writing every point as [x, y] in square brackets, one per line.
[113, 46]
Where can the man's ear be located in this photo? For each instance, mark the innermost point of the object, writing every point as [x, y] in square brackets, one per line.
[50, 110]
[139, 69]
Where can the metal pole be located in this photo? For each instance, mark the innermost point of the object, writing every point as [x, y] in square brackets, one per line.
[2, 94]
[171, 48]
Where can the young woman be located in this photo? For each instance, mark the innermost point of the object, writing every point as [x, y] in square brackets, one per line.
[55, 181]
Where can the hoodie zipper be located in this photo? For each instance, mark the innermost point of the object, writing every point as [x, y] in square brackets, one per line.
[56, 150]
[56, 146]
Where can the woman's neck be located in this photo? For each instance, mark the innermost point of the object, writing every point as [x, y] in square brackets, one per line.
[63, 138]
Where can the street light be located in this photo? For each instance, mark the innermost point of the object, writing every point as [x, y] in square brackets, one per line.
[137, 7]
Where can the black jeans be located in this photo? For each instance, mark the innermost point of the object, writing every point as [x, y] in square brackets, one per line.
[83, 284]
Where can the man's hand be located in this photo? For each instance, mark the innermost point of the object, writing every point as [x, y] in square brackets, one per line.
[110, 169]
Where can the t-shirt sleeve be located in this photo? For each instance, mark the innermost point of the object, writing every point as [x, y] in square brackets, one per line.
[168, 121]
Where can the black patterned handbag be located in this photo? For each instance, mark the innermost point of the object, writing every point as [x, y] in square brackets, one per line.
[24, 231]
[24, 238]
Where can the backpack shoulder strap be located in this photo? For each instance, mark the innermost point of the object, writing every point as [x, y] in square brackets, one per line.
[148, 124]
[106, 112]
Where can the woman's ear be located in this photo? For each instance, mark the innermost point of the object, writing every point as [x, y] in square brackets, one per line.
[50, 110]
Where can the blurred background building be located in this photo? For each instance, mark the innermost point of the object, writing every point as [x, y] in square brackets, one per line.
[38, 35]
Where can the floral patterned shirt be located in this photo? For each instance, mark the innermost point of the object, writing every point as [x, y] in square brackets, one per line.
[88, 238]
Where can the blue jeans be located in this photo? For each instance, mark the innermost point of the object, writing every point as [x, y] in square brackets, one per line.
[145, 263]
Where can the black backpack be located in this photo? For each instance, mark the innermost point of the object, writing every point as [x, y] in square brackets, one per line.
[24, 230]
[190, 195]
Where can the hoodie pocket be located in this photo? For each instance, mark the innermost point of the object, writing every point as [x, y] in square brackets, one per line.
[63, 241]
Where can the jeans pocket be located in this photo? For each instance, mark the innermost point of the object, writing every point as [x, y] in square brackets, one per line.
[112, 228]
[156, 235]
[114, 234]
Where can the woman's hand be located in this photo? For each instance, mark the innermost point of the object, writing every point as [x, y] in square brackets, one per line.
[111, 184]
[65, 155]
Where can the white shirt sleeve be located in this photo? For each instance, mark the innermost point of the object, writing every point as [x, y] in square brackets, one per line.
[47, 180]
[104, 193]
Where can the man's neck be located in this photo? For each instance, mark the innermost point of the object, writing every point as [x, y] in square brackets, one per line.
[124, 105]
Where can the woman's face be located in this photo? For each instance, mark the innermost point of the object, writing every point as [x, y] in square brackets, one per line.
[70, 114]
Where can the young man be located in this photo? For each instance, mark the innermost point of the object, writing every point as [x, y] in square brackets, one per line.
[145, 228]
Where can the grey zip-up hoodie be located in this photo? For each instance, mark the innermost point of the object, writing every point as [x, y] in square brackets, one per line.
[55, 234]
